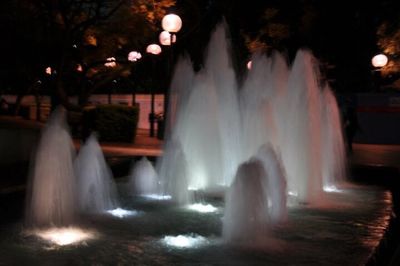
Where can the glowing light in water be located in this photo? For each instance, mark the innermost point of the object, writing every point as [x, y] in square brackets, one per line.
[121, 213]
[65, 236]
[203, 208]
[332, 189]
[157, 196]
[291, 193]
[184, 241]
[192, 188]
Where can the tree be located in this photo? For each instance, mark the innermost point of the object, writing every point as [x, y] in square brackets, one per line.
[389, 43]
[75, 38]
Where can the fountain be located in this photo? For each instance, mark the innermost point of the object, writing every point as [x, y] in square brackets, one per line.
[175, 179]
[220, 125]
[143, 179]
[271, 144]
[52, 192]
[275, 184]
[246, 216]
[96, 186]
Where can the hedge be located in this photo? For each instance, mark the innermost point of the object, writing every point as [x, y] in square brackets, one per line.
[116, 123]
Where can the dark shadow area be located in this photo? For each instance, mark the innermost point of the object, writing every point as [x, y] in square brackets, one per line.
[388, 250]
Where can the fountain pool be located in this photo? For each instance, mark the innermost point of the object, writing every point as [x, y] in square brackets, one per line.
[162, 233]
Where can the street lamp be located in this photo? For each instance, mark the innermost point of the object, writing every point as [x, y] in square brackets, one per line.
[171, 23]
[134, 56]
[378, 61]
[110, 62]
[249, 65]
[165, 38]
[152, 49]
[48, 71]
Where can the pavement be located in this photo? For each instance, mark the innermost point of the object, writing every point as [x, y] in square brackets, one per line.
[144, 145]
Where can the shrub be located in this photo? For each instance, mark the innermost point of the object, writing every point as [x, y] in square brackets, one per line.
[112, 122]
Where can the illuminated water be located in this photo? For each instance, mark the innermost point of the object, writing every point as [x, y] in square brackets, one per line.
[143, 179]
[160, 233]
[52, 197]
[95, 182]
[218, 124]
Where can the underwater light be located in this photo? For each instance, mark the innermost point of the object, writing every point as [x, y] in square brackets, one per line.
[64, 236]
[157, 196]
[291, 193]
[121, 213]
[202, 208]
[184, 241]
[331, 189]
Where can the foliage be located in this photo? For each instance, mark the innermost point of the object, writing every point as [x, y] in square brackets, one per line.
[389, 43]
[75, 38]
[113, 122]
[153, 11]
[271, 34]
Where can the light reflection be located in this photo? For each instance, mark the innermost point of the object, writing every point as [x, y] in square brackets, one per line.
[121, 213]
[64, 236]
[184, 241]
[332, 189]
[202, 208]
[157, 196]
[291, 193]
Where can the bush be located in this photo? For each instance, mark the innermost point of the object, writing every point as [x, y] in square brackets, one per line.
[112, 122]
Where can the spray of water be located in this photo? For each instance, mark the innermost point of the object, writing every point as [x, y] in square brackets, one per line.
[96, 186]
[52, 191]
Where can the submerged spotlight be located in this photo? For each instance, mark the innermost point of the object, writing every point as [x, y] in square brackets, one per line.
[332, 189]
[121, 213]
[202, 208]
[157, 196]
[185, 241]
[64, 236]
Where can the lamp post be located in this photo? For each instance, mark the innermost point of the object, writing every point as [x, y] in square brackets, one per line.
[111, 62]
[134, 56]
[172, 24]
[152, 49]
[378, 61]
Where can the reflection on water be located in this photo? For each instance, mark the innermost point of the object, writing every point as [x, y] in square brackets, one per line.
[184, 241]
[63, 236]
[344, 232]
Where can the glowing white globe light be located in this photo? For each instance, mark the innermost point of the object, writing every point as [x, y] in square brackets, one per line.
[165, 38]
[171, 23]
[48, 70]
[249, 65]
[111, 62]
[134, 56]
[79, 68]
[379, 60]
[153, 49]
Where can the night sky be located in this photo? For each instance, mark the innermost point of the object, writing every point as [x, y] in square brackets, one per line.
[341, 34]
